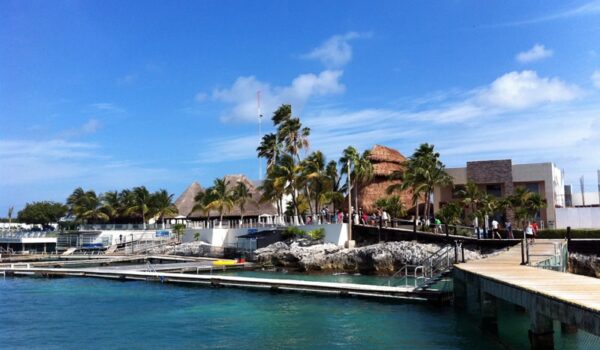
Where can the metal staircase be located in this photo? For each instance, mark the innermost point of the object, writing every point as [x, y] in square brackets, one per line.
[431, 270]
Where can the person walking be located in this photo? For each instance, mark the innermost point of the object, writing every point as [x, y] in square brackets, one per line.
[529, 232]
[509, 229]
[495, 232]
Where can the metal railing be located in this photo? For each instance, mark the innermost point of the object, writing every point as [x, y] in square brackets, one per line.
[431, 268]
[556, 261]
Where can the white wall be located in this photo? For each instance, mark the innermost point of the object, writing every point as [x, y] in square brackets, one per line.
[578, 217]
[334, 233]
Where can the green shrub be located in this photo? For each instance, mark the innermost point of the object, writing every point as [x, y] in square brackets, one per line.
[575, 233]
[317, 234]
[292, 232]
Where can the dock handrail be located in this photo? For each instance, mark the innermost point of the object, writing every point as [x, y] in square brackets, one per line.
[435, 264]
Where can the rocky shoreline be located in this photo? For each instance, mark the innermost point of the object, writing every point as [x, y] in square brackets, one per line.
[584, 264]
[377, 259]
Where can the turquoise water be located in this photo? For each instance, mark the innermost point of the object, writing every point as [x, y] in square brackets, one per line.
[85, 313]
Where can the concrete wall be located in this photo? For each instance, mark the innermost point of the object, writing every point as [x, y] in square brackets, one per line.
[334, 233]
[578, 217]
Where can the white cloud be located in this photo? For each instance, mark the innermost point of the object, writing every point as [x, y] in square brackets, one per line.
[509, 98]
[536, 53]
[596, 78]
[242, 94]
[107, 107]
[526, 89]
[89, 127]
[587, 9]
[335, 51]
[57, 149]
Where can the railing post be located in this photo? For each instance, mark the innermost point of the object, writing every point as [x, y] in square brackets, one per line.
[568, 234]
[523, 251]
[462, 248]
[456, 252]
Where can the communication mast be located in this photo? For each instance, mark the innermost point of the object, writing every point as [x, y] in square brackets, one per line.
[259, 116]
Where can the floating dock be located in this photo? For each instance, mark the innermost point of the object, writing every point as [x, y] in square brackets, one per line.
[211, 280]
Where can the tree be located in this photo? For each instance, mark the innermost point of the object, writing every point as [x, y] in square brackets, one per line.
[363, 173]
[140, 201]
[450, 214]
[471, 198]
[334, 194]
[179, 230]
[313, 167]
[112, 205]
[91, 208]
[269, 148]
[220, 197]
[287, 175]
[525, 204]
[86, 206]
[42, 213]
[162, 205]
[241, 194]
[393, 205]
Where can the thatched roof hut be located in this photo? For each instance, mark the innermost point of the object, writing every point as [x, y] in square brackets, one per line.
[385, 161]
[253, 207]
[185, 202]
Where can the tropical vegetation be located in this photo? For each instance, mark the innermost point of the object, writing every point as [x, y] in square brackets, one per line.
[127, 206]
[42, 213]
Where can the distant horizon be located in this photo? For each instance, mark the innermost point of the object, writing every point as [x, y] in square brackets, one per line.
[109, 95]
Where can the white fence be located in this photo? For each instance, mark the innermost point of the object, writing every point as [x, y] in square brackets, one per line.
[578, 217]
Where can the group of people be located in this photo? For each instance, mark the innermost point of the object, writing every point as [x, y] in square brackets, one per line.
[531, 230]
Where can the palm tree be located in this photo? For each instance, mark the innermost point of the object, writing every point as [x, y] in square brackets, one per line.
[92, 208]
[363, 173]
[471, 198]
[141, 201]
[334, 193]
[111, 204]
[201, 200]
[241, 194]
[429, 171]
[450, 214]
[76, 200]
[269, 149]
[314, 171]
[350, 158]
[162, 205]
[221, 197]
[271, 193]
[288, 176]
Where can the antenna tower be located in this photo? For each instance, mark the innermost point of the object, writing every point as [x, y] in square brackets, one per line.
[259, 116]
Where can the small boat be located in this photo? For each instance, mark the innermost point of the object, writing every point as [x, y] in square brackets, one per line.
[224, 262]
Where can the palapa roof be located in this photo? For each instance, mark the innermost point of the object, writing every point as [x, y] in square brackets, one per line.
[385, 160]
[185, 202]
[253, 207]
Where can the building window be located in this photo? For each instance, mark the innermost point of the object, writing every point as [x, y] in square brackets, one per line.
[533, 187]
[494, 190]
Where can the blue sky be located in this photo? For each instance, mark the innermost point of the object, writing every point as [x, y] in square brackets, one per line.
[113, 94]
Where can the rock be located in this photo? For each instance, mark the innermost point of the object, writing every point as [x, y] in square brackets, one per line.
[584, 264]
[382, 259]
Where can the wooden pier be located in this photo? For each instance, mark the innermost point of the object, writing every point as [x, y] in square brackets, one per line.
[547, 295]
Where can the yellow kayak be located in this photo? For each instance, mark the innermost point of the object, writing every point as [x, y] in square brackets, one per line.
[224, 262]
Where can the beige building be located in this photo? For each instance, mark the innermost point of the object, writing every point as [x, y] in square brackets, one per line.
[500, 177]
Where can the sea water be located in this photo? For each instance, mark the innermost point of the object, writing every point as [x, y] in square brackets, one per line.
[87, 313]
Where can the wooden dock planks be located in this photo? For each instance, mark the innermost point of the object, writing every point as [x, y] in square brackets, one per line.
[565, 287]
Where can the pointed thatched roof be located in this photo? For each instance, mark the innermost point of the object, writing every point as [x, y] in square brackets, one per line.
[385, 160]
[185, 202]
[253, 207]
